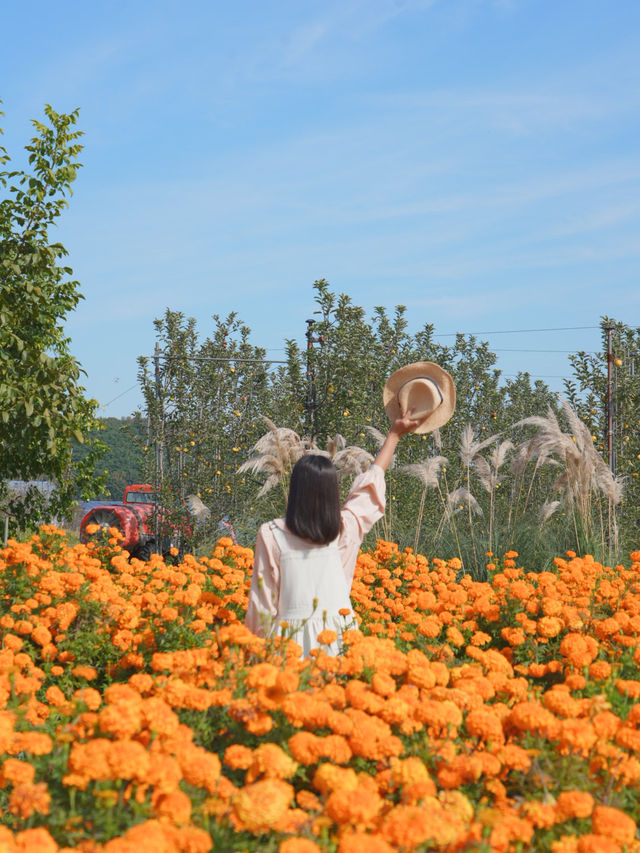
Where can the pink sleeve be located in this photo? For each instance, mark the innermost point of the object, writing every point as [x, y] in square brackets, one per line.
[365, 504]
[265, 583]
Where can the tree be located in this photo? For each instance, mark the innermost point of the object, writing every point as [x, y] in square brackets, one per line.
[588, 393]
[203, 401]
[43, 409]
[123, 460]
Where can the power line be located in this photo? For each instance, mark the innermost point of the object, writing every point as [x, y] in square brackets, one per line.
[534, 375]
[216, 358]
[565, 351]
[104, 406]
[517, 331]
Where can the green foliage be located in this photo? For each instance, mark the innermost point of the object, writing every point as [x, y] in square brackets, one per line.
[204, 406]
[203, 402]
[587, 393]
[125, 441]
[42, 405]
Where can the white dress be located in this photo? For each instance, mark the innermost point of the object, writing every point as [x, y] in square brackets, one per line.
[313, 590]
[306, 585]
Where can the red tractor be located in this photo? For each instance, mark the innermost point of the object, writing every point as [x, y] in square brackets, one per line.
[135, 518]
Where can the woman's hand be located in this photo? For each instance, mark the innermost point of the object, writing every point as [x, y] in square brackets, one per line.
[403, 424]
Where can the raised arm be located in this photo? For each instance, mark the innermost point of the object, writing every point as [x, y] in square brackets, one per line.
[402, 425]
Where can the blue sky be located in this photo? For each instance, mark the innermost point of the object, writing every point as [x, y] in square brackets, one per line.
[474, 160]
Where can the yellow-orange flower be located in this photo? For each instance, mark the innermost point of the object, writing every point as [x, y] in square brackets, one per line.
[261, 805]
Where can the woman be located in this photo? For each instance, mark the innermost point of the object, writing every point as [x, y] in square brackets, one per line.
[304, 563]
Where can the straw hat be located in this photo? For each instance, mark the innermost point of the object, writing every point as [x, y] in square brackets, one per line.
[424, 387]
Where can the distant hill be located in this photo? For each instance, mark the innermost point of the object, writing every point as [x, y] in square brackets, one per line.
[123, 461]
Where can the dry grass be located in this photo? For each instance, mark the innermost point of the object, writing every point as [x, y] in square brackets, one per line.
[428, 472]
[278, 450]
[586, 476]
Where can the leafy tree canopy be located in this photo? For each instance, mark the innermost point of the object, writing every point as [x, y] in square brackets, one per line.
[42, 404]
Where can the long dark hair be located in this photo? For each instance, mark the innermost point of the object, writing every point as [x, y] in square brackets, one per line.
[313, 508]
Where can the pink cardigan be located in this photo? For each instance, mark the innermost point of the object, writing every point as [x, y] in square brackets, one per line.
[363, 507]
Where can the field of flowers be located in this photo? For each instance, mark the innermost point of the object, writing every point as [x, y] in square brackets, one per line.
[138, 714]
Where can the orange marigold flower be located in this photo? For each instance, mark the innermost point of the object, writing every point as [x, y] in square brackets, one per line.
[238, 757]
[575, 681]
[371, 737]
[628, 687]
[88, 672]
[430, 627]
[158, 716]
[577, 736]
[298, 845]
[629, 738]
[455, 636]
[175, 805]
[383, 683]
[572, 804]
[259, 806]
[91, 698]
[37, 743]
[513, 636]
[329, 778]
[55, 696]
[308, 801]
[34, 839]
[336, 748]
[457, 803]
[123, 720]
[479, 638]
[407, 826]
[355, 806]
[164, 772]
[600, 670]
[614, 824]
[28, 799]
[606, 724]
[533, 717]
[510, 829]
[305, 747]
[16, 771]
[579, 649]
[541, 815]
[485, 724]
[327, 637]
[514, 757]
[408, 771]
[127, 759]
[592, 843]
[262, 675]
[271, 762]
[549, 626]
[362, 842]
[560, 702]
[13, 643]
[200, 767]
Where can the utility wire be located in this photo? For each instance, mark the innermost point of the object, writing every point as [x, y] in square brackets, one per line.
[516, 331]
[566, 351]
[534, 375]
[216, 358]
[104, 406]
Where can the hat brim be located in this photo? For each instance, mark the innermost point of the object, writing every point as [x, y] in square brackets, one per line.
[417, 370]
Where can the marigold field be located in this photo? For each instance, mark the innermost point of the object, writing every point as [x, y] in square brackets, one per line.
[138, 714]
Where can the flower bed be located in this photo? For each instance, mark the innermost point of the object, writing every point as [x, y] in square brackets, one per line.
[138, 714]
